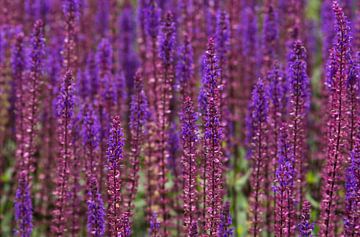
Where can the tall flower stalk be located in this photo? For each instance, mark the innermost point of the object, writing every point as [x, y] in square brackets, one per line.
[189, 141]
[257, 131]
[114, 162]
[284, 188]
[299, 101]
[213, 156]
[336, 148]
[32, 100]
[138, 119]
[65, 105]
[352, 197]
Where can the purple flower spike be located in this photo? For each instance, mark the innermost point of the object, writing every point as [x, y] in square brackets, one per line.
[257, 130]
[154, 226]
[185, 69]
[152, 19]
[284, 188]
[352, 198]
[23, 208]
[102, 18]
[225, 229]
[127, 54]
[270, 37]
[114, 157]
[337, 123]
[299, 102]
[305, 227]
[213, 156]
[189, 140]
[65, 104]
[96, 211]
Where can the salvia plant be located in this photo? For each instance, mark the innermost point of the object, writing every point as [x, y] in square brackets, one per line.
[180, 118]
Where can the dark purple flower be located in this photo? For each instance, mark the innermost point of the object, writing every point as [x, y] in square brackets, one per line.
[337, 123]
[23, 208]
[114, 160]
[127, 36]
[270, 36]
[65, 104]
[299, 104]
[185, 68]
[305, 227]
[352, 197]
[213, 156]
[102, 17]
[95, 212]
[225, 229]
[189, 141]
[284, 187]
[257, 130]
[154, 226]
[152, 18]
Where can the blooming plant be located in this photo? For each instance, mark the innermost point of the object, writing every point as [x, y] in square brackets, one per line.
[179, 118]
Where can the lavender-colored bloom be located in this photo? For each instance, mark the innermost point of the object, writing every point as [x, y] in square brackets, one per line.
[352, 198]
[225, 229]
[152, 19]
[299, 104]
[127, 36]
[71, 9]
[116, 144]
[337, 144]
[189, 141]
[102, 17]
[305, 227]
[92, 75]
[256, 136]
[213, 155]
[284, 186]
[154, 226]
[185, 68]
[222, 38]
[174, 149]
[168, 40]
[91, 127]
[65, 104]
[270, 37]
[95, 212]
[23, 208]
[114, 160]
[104, 58]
